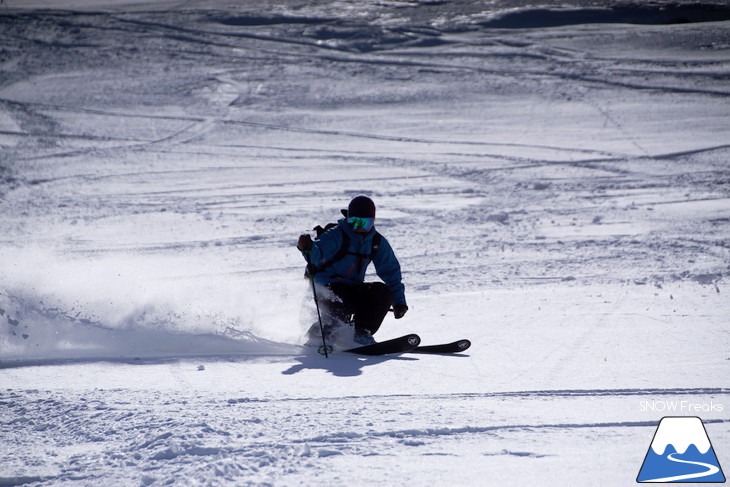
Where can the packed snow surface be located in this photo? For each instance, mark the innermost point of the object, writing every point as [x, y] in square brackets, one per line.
[553, 177]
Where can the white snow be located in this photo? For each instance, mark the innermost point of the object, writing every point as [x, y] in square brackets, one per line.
[558, 195]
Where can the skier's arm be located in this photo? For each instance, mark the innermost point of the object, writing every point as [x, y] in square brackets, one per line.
[388, 269]
[324, 248]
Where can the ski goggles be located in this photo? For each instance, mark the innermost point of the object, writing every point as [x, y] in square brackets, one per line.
[360, 223]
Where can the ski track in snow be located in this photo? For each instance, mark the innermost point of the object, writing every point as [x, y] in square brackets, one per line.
[557, 193]
[215, 438]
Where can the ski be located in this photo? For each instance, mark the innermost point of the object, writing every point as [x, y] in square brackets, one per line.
[406, 343]
[454, 347]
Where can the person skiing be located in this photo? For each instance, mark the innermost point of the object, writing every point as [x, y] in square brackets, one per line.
[337, 261]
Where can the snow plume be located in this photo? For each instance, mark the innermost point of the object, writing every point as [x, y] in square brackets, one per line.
[58, 308]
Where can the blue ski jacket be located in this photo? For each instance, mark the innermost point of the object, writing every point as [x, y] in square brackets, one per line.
[351, 267]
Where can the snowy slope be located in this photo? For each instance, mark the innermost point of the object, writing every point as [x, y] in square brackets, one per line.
[554, 182]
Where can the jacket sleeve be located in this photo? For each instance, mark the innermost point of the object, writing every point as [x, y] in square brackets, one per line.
[388, 269]
[325, 247]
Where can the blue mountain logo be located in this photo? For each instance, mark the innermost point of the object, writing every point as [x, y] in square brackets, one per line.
[681, 452]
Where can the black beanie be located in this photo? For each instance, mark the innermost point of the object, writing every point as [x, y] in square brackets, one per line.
[361, 206]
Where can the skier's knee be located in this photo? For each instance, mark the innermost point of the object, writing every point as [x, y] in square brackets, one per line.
[382, 293]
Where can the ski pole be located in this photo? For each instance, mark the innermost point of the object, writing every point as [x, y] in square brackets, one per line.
[325, 348]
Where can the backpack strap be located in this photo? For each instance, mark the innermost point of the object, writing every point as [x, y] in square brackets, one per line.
[376, 244]
[373, 250]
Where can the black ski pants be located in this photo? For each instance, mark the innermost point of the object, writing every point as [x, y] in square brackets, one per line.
[365, 305]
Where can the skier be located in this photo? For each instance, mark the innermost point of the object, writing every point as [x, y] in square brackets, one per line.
[337, 262]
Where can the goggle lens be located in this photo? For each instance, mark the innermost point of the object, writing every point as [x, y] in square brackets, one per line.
[359, 223]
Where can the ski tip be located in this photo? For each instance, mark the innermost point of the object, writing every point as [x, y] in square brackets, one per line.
[413, 340]
[445, 348]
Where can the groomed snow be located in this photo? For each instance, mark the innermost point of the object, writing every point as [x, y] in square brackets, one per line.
[557, 192]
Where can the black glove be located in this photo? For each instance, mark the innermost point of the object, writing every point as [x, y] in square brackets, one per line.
[305, 242]
[399, 310]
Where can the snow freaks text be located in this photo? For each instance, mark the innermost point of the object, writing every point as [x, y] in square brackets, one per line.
[683, 407]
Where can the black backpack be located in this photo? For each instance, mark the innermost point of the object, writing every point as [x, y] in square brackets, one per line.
[312, 269]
